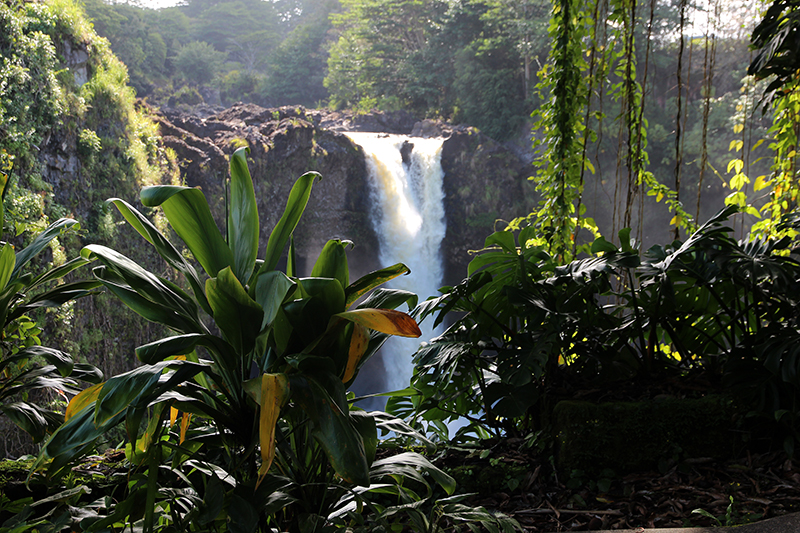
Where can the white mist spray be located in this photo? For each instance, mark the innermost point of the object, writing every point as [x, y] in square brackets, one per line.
[408, 214]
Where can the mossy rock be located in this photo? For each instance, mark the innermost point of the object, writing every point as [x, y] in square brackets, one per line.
[635, 436]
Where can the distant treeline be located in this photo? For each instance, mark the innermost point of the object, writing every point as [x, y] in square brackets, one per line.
[487, 63]
[474, 61]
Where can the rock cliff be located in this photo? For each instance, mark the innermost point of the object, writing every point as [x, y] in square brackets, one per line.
[484, 182]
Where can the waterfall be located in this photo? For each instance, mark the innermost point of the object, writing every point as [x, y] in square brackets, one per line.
[408, 215]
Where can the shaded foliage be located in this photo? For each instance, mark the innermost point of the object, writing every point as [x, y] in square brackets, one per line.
[709, 305]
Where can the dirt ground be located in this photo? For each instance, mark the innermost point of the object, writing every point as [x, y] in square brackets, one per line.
[698, 492]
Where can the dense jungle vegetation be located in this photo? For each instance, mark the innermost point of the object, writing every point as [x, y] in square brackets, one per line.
[674, 108]
[237, 416]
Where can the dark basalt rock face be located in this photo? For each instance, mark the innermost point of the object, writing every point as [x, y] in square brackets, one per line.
[284, 144]
[483, 181]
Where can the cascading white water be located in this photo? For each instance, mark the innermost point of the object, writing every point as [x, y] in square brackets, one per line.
[409, 218]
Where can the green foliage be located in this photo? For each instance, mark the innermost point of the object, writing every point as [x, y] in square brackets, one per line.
[296, 69]
[378, 41]
[266, 395]
[198, 62]
[265, 42]
[775, 39]
[561, 165]
[31, 97]
[707, 305]
[433, 58]
[22, 293]
[486, 82]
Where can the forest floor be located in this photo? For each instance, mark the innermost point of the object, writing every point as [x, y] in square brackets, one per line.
[692, 493]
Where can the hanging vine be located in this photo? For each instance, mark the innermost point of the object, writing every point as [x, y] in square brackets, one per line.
[560, 119]
[709, 57]
[776, 39]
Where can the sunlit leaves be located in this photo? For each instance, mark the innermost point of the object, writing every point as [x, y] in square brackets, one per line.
[384, 320]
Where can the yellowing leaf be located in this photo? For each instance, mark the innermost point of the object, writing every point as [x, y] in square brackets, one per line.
[81, 400]
[173, 416]
[359, 342]
[659, 196]
[761, 183]
[384, 320]
[274, 393]
[738, 128]
[674, 221]
[184, 426]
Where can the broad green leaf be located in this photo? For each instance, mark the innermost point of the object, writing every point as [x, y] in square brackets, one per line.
[390, 423]
[75, 437]
[58, 296]
[384, 320]
[236, 314]
[600, 244]
[148, 309]
[189, 215]
[86, 372]
[41, 241]
[59, 271]
[62, 361]
[281, 331]
[359, 342]
[242, 515]
[164, 248]
[503, 239]
[333, 429]
[625, 240]
[492, 259]
[270, 290]
[389, 299]
[159, 291]
[332, 262]
[122, 391]
[366, 427]
[28, 417]
[295, 205]
[7, 261]
[410, 459]
[291, 259]
[327, 290]
[274, 394]
[368, 282]
[243, 226]
[64, 496]
[161, 349]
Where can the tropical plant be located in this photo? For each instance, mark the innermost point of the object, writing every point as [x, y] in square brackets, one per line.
[708, 305]
[267, 436]
[23, 292]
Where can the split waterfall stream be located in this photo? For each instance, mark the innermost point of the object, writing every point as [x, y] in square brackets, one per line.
[407, 196]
